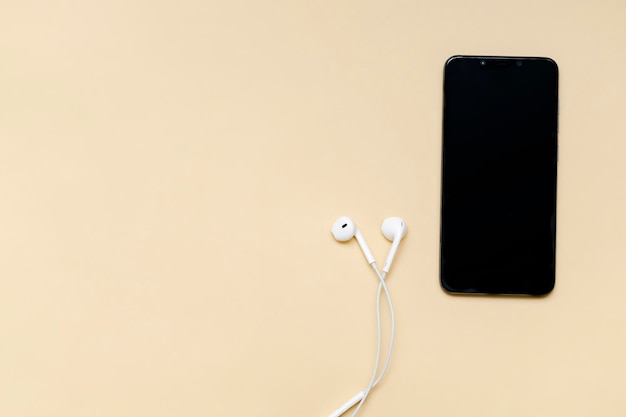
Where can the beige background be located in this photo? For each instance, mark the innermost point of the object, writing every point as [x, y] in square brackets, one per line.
[169, 172]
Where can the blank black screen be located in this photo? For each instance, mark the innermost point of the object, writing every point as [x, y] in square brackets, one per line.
[498, 210]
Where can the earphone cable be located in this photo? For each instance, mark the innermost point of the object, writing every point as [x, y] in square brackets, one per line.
[393, 326]
[374, 381]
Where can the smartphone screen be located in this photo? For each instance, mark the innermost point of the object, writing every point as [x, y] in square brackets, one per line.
[499, 169]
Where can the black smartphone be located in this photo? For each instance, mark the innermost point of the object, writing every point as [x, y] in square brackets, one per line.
[499, 171]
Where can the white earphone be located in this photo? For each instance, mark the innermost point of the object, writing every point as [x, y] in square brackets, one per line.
[344, 229]
[394, 229]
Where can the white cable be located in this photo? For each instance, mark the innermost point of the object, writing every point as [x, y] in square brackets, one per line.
[378, 327]
[374, 381]
[393, 327]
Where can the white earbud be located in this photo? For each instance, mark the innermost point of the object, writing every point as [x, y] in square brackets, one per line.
[394, 229]
[344, 229]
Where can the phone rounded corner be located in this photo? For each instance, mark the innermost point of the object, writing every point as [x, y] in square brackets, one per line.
[452, 59]
[447, 288]
[552, 63]
[545, 292]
